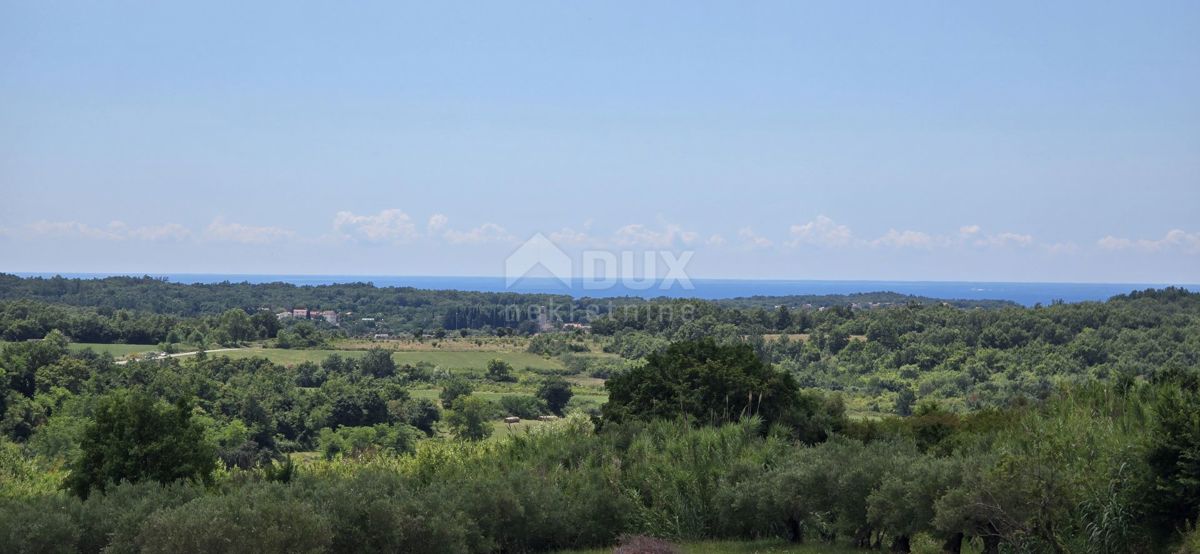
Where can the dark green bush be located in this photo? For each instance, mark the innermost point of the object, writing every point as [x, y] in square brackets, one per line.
[257, 518]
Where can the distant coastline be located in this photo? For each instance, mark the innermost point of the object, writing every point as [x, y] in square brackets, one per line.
[1026, 294]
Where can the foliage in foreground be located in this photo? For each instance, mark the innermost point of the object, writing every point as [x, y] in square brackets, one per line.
[1081, 473]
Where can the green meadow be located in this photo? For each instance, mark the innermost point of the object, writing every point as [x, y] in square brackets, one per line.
[473, 360]
[117, 350]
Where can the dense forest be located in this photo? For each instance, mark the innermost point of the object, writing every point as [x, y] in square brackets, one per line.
[913, 426]
[144, 309]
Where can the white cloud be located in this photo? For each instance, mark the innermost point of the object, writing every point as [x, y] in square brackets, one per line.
[715, 240]
[116, 230]
[1060, 248]
[637, 234]
[170, 231]
[74, 229]
[437, 222]
[1175, 239]
[907, 239]
[825, 232]
[752, 240]
[387, 225]
[821, 231]
[1005, 239]
[570, 237]
[221, 230]
[488, 232]
[1113, 243]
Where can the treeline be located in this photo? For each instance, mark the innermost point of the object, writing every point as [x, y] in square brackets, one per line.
[395, 309]
[27, 320]
[970, 358]
[22, 320]
[398, 309]
[862, 299]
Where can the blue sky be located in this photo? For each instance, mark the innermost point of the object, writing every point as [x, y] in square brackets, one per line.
[1025, 141]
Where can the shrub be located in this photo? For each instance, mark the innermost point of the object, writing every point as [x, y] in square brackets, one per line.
[500, 371]
[110, 521]
[41, 525]
[556, 393]
[358, 441]
[375, 512]
[134, 437]
[453, 389]
[257, 518]
[524, 407]
[704, 382]
[469, 418]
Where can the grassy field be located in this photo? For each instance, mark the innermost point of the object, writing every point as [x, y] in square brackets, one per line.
[478, 360]
[746, 547]
[473, 360]
[449, 344]
[117, 350]
[596, 398]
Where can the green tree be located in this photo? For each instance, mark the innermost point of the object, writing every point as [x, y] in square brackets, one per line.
[524, 407]
[499, 371]
[702, 381]
[68, 373]
[469, 419]
[134, 438]
[905, 399]
[265, 324]
[378, 362]
[555, 392]
[783, 318]
[453, 389]
[237, 325]
[423, 414]
[1174, 460]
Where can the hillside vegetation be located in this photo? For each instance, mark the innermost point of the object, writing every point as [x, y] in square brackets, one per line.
[911, 427]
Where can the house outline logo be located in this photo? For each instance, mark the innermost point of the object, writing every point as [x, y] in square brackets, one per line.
[535, 252]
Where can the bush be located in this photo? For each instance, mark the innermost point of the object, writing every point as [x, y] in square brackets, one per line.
[422, 413]
[556, 393]
[257, 518]
[704, 382]
[500, 371]
[134, 437]
[42, 525]
[453, 389]
[359, 441]
[375, 512]
[110, 521]
[554, 344]
[524, 407]
[469, 418]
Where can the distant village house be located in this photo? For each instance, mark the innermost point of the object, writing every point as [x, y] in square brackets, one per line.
[329, 316]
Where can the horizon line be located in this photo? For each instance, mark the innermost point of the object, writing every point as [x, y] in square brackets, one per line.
[103, 274]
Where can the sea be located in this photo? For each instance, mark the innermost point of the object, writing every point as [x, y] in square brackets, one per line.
[1026, 294]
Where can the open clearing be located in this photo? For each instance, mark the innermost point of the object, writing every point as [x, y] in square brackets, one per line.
[494, 396]
[117, 350]
[475, 360]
